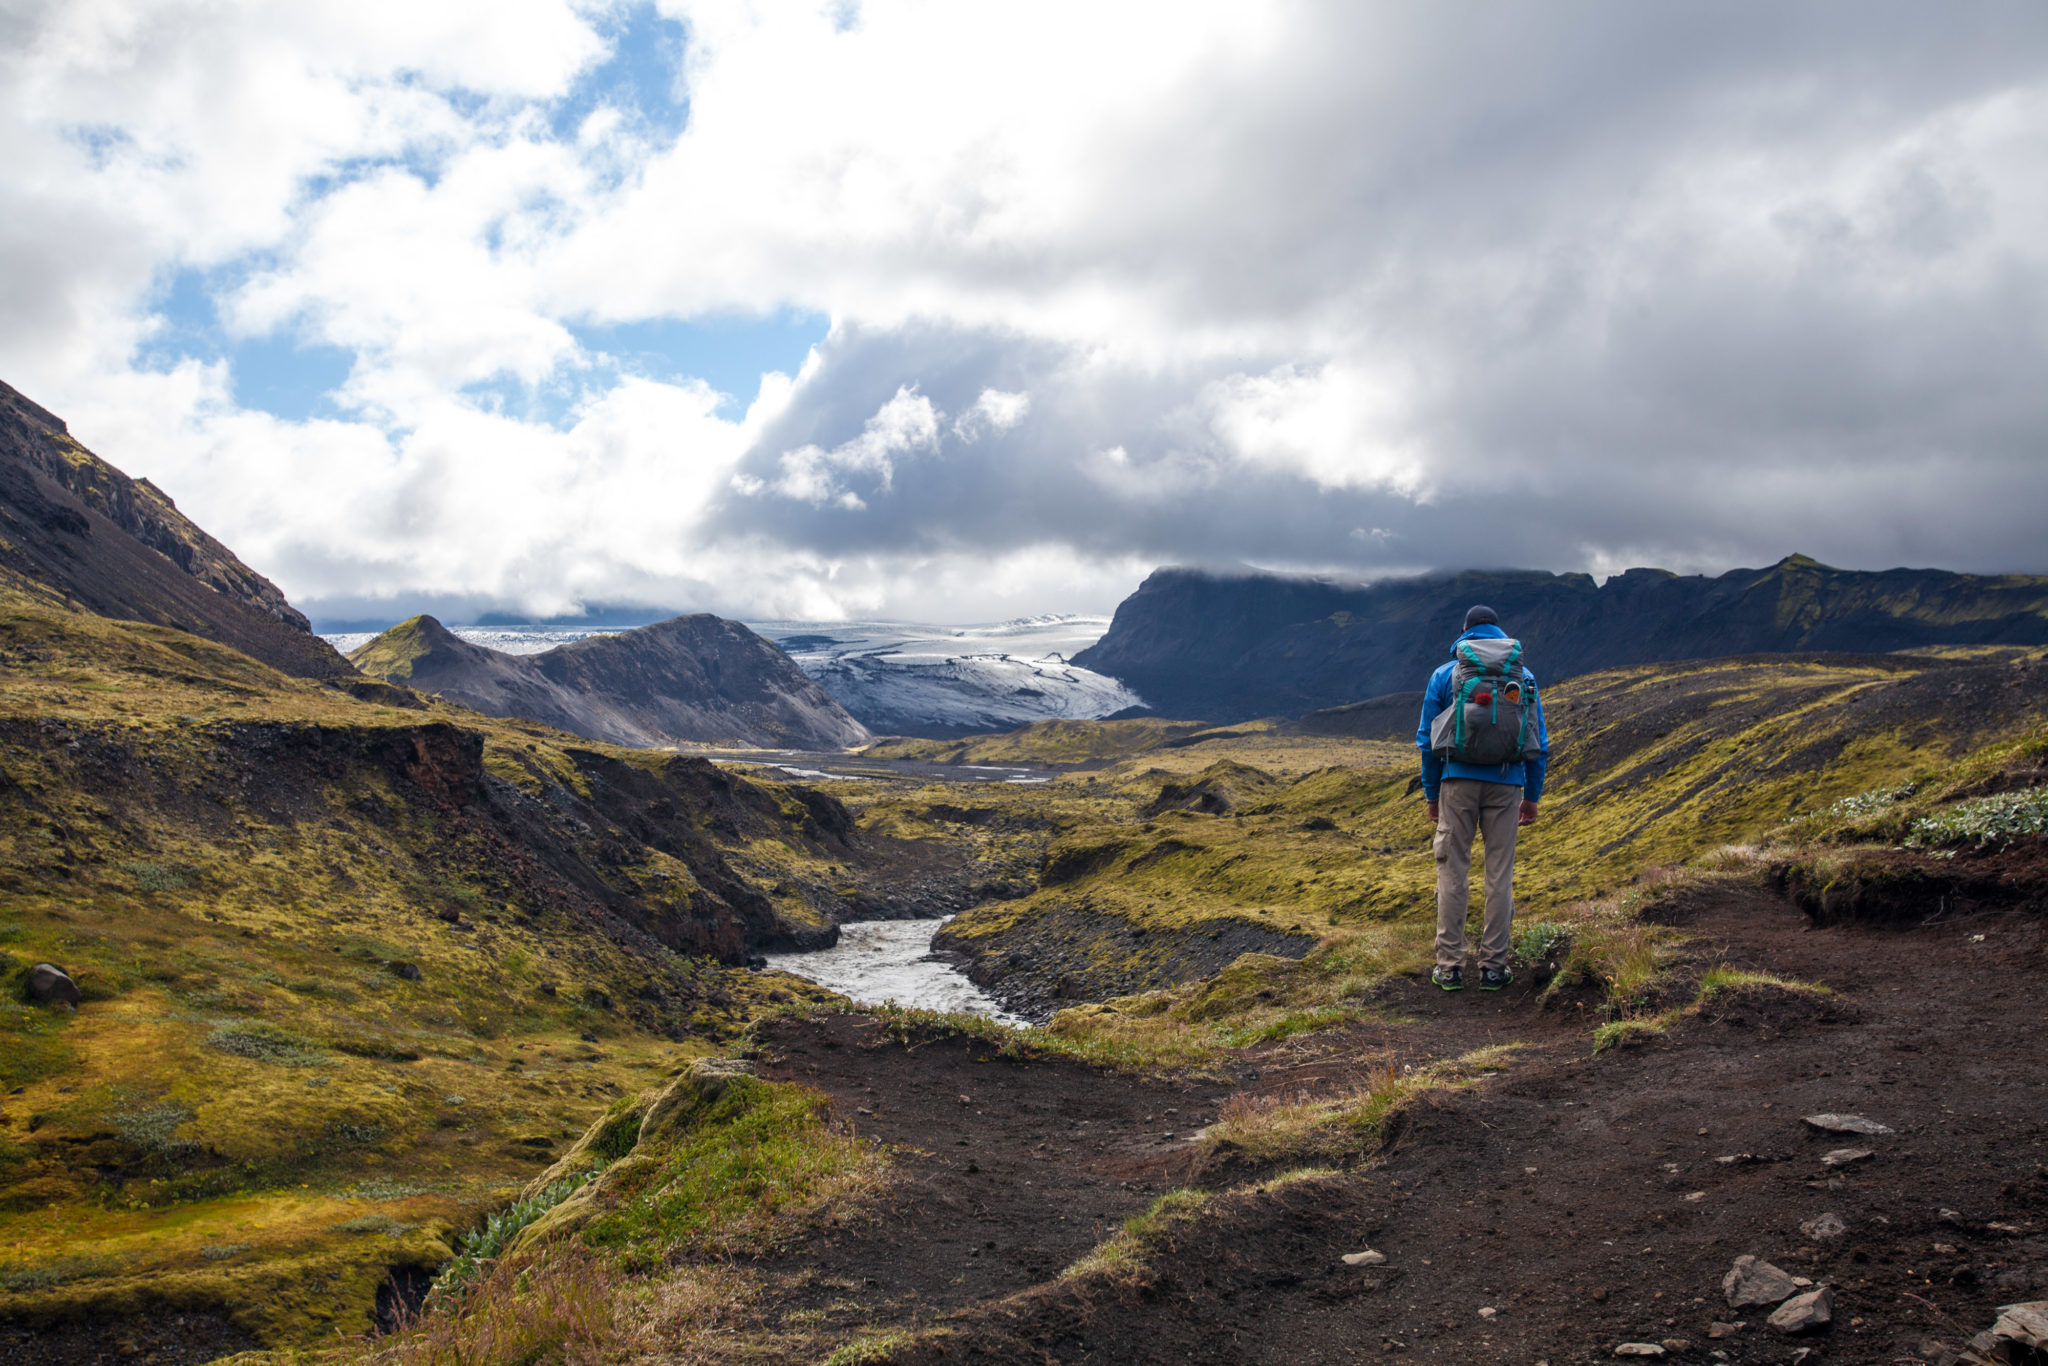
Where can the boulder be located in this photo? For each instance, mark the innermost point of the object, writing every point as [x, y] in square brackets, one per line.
[46, 982]
[1810, 1310]
[1751, 1281]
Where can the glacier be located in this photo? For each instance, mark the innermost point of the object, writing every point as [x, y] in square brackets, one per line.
[906, 678]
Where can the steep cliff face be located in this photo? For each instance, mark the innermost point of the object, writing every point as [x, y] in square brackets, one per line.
[73, 524]
[694, 679]
[1226, 646]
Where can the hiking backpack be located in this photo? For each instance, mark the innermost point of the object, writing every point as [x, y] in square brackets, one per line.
[1491, 717]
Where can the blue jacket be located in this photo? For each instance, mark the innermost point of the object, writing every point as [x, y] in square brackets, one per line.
[1527, 775]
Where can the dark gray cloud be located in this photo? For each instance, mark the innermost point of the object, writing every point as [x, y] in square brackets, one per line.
[1693, 283]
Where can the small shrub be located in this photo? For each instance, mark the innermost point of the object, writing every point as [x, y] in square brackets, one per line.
[266, 1043]
[1985, 823]
[1538, 941]
[376, 1223]
[479, 1249]
[223, 1251]
[10, 933]
[156, 877]
[153, 1129]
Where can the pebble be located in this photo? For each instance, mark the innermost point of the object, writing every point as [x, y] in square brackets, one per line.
[1639, 1349]
[1696, 1195]
[1487, 1311]
[1718, 1329]
[1842, 1157]
[1736, 1157]
[1824, 1227]
[1802, 1312]
[1366, 1258]
[1750, 1281]
[1848, 1124]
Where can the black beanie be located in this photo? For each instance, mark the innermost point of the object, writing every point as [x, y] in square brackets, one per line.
[1481, 616]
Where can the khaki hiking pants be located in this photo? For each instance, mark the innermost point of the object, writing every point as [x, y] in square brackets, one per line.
[1494, 811]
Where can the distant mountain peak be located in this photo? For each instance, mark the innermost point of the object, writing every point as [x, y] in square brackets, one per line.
[688, 680]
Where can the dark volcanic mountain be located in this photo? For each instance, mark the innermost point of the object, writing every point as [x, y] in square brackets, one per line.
[118, 547]
[695, 679]
[1228, 646]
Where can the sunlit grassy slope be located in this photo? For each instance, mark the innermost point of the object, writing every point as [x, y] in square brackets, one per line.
[1651, 766]
[350, 971]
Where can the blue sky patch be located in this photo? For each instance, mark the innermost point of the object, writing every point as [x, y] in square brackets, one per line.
[730, 352]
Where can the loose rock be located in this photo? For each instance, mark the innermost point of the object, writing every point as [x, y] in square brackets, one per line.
[2026, 1324]
[1842, 1157]
[47, 982]
[1848, 1124]
[1824, 1227]
[1639, 1349]
[1718, 1329]
[1802, 1312]
[1366, 1258]
[1750, 1281]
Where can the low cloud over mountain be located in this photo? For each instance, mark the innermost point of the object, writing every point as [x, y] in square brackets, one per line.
[964, 312]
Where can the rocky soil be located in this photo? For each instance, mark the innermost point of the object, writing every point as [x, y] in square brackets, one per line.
[1554, 1213]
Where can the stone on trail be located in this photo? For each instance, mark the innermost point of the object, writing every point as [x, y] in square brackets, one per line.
[1639, 1349]
[1366, 1258]
[2026, 1324]
[1718, 1329]
[1802, 1312]
[1825, 1227]
[1848, 1124]
[1842, 1157]
[47, 982]
[1751, 1281]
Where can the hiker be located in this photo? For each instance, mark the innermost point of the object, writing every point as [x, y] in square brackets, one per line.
[1484, 752]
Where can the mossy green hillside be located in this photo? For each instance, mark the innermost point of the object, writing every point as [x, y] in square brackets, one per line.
[1653, 766]
[352, 972]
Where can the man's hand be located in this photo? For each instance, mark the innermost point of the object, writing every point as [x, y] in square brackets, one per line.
[1528, 814]
[1432, 813]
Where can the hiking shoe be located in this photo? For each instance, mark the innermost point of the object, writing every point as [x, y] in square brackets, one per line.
[1493, 979]
[1450, 979]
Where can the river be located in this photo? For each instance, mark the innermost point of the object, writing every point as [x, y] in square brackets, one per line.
[878, 961]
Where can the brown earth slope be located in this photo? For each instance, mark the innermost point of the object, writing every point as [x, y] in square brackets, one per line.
[72, 523]
[1579, 1198]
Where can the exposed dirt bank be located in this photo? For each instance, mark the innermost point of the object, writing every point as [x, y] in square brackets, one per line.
[1075, 953]
[1578, 1197]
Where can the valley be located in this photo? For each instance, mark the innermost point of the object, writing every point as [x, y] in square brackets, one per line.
[349, 1022]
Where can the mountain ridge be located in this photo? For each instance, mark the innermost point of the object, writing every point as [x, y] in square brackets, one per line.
[691, 679]
[1228, 646]
[73, 525]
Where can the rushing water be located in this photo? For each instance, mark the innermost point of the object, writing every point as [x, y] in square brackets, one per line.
[892, 960]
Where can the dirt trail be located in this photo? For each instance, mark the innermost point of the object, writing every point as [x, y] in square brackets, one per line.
[1577, 1197]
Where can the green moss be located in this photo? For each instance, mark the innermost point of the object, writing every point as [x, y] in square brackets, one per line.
[726, 1172]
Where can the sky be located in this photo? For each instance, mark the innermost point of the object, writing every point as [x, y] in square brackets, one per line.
[953, 312]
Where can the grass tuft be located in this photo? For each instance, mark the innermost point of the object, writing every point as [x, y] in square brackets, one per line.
[1721, 978]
